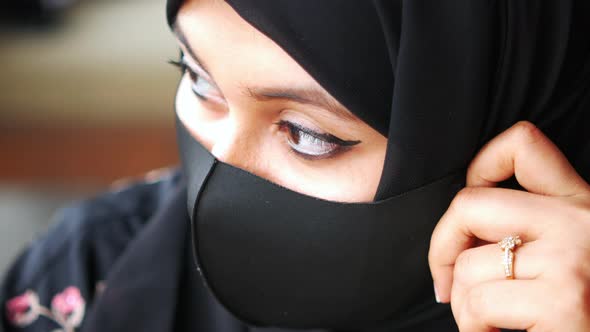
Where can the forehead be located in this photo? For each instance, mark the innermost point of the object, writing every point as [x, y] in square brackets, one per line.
[233, 50]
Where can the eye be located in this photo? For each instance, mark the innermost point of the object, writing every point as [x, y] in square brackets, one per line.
[313, 145]
[202, 87]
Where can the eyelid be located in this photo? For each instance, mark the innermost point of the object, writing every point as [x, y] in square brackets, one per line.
[194, 68]
[326, 137]
[188, 62]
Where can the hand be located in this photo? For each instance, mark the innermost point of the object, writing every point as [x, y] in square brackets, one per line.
[551, 286]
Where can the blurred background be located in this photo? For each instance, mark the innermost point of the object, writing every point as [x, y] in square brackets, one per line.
[86, 98]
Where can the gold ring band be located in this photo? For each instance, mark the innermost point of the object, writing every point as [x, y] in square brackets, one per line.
[508, 244]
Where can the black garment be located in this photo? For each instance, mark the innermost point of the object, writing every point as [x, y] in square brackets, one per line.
[83, 247]
[439, 79]
[136, 243]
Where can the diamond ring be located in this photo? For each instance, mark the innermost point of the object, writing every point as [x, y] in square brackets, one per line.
[508, 244]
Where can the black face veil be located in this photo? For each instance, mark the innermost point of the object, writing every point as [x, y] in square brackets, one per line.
[438, 79]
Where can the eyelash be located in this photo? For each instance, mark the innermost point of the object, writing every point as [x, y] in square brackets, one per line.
[178, 64]
[185, 68]
[338, 145]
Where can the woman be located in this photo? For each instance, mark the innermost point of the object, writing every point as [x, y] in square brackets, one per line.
[324, 147]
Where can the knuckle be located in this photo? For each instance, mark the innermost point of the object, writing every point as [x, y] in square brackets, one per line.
[465, 198]
[527, 132]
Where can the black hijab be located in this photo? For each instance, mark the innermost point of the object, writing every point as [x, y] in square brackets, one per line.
[441, 78]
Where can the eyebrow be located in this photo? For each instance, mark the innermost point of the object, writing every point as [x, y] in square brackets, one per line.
[307, 96]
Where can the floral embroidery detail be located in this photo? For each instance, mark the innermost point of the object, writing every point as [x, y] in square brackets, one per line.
[24, 309]
[67, 308]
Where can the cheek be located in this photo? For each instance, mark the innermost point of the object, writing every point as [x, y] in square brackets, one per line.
[199, 121]
[357, 179]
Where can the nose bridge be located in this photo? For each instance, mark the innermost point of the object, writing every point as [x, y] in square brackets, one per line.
[225, 145]
[235, 144]
[240, 141]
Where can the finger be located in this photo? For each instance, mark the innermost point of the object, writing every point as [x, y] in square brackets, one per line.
[485, 263]
[524, 151]
[506, 304]
[489, 214]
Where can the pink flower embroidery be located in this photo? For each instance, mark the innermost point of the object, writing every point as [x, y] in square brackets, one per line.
[23, 309]
[68, 307]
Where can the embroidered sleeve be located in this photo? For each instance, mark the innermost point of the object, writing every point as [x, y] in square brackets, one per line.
[55, 282]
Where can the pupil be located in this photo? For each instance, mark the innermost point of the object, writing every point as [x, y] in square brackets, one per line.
[295, 135]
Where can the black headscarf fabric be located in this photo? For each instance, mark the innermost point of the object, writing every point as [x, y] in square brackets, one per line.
[440, 78]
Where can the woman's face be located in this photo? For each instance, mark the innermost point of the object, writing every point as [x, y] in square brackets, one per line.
[249, 103]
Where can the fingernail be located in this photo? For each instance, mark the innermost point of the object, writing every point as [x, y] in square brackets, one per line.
[436, 294]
